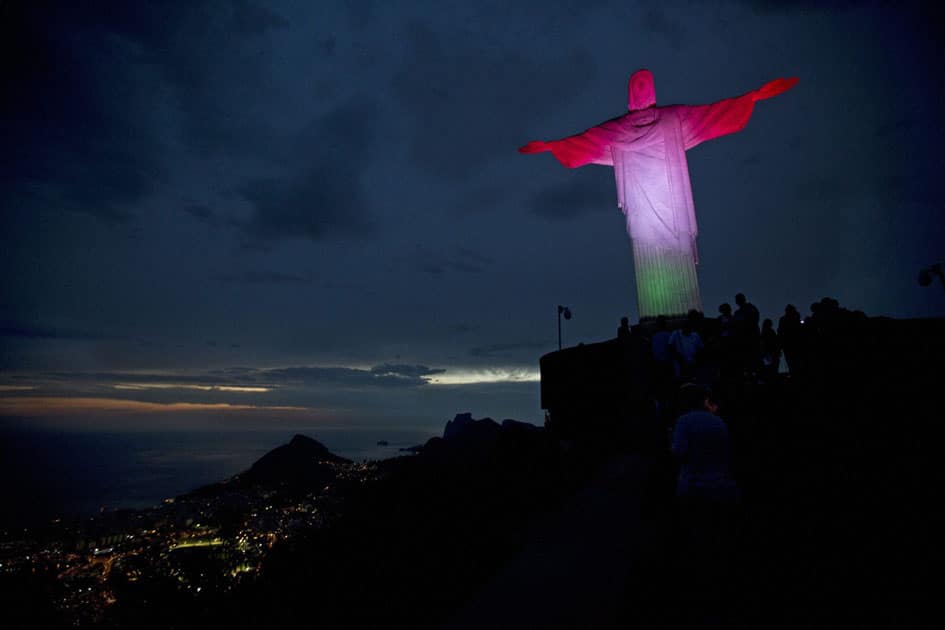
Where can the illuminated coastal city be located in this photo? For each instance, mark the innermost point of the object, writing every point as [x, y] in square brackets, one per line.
[204, 542]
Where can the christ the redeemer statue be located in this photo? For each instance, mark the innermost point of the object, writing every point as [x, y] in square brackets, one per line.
[647, 148]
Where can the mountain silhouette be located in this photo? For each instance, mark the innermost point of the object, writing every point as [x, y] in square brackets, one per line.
[302, 462]
[301, 465]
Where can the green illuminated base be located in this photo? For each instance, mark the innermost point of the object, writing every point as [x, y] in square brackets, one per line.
[666, 280]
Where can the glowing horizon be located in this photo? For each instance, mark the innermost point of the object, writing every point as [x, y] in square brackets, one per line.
[45, 405]
[473, 376]
[202, 388]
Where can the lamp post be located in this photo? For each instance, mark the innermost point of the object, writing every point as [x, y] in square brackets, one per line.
[562, 310]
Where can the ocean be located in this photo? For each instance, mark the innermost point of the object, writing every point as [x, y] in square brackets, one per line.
[46, 474]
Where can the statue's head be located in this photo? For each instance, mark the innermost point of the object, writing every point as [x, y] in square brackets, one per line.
[640, 91]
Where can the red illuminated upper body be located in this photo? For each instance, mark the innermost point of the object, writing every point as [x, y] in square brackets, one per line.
[698, 123]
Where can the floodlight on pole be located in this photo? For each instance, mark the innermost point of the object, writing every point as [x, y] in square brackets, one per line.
[566, 312]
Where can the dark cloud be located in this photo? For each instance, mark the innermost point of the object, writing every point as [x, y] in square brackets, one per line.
[404, 371]
[251, 19]
[750, 161]
[474, 256]
[325, 198]
[203, 213]
[843, 191]
[214, 60]
[281, 278]
[655, 20]
[387, 375]
[384, 375]
[360, 12]
[900, 125]
[462, 329]
[83, 87]
[802, 6]
[76, 115]
[580, 191]
[328, 45]
[468, 101]
[233, 371]
[320, 203]
[109, 378]
[35, 331]
[825, 188]
[504, 350]
[461, 260]
[266, 277]
[211, 218]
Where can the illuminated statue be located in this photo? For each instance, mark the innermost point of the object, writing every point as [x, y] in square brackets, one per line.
[647, 148]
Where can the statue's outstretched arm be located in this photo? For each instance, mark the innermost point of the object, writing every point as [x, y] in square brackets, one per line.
[705, 122]
[589, 147]
[773, 88]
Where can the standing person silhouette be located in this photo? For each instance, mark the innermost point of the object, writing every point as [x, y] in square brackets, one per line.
[623, 331]
[745, 327]
[789, 336]
[770, 352]
[706, 494]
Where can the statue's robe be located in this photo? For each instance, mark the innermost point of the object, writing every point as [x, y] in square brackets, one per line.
[647, 149]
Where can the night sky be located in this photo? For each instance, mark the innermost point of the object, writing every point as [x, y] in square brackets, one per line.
[229, 213]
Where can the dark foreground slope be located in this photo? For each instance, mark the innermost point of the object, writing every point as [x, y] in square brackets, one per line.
[841, 472]
[412, 548]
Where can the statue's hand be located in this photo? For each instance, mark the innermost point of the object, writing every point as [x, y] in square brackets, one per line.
[535, 146]
[773, 88]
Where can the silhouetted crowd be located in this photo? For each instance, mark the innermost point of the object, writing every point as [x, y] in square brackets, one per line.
[733, 351]
[734, 347]
[696, 369]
